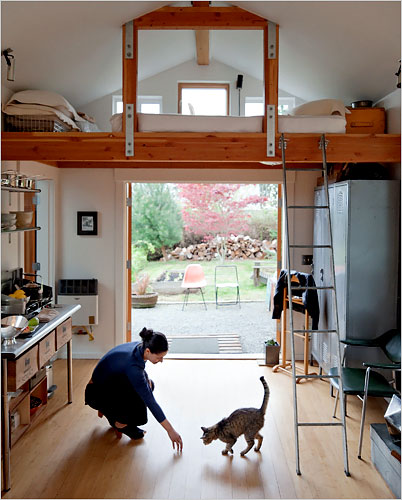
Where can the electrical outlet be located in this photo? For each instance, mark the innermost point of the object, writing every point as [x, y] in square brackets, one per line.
[307, 260]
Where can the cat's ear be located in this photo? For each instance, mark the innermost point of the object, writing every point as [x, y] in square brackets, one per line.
[204, 429]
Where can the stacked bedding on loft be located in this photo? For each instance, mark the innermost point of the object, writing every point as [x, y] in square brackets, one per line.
[323, 116]
[42, 110]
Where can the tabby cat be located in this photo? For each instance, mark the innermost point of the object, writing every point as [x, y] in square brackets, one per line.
[247, 421]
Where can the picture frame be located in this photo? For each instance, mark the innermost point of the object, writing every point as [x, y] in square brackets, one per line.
[87, 223]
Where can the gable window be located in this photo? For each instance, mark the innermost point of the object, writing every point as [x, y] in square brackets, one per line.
[203, 99]
[145, 104]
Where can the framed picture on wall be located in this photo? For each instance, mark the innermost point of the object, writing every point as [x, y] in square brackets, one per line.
[87, 223]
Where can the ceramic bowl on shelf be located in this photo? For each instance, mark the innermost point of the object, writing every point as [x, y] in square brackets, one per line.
[24, 219]
[8, 218]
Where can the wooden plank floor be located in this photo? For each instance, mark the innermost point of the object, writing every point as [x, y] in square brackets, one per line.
[71, 453]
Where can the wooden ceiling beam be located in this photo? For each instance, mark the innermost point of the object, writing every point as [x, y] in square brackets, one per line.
[200, 18]
[202, 47]
[191, 146]
[169, 165]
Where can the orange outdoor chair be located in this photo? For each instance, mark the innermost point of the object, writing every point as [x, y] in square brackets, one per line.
[194, 279]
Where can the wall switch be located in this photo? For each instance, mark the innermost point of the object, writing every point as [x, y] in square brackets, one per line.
[307, 260]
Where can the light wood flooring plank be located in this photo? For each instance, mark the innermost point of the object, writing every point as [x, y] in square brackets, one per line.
[71, 453]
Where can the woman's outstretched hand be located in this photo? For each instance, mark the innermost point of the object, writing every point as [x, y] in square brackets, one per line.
[176, 440]
[173, 435]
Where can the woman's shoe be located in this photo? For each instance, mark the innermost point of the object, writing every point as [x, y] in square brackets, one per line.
[133, 432]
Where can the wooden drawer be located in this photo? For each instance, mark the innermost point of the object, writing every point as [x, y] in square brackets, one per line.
[47, 347]
[22, 369]
[63, 333]
[365, 121]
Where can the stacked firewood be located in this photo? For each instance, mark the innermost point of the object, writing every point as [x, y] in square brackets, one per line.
[234, 247]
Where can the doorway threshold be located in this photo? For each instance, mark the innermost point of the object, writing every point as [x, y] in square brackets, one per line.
[221, 356]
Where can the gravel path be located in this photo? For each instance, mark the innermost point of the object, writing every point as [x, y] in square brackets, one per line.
[252, 322]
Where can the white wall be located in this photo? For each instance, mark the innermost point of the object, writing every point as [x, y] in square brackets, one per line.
[89, 256]
[6, 93]
[392, 105]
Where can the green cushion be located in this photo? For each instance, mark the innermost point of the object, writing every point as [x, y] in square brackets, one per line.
[353, 382]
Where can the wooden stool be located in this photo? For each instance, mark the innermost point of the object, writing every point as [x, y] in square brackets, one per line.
[285, 364]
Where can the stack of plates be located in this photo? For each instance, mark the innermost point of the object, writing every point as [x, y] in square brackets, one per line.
[8, 221]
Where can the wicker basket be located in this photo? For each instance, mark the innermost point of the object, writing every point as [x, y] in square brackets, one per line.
[31, 123]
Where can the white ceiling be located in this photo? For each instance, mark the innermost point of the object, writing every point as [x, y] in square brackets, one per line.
[345, 50]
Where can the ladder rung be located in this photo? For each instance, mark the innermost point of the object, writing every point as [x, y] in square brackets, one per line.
[326, 424]
[317, 376]
[315, 331]
[310, 246]
[308, 206]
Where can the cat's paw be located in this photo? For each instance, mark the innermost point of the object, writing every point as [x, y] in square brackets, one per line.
[256, 450]
[225, 452]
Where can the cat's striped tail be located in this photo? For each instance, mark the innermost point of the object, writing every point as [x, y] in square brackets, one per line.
[266, 395]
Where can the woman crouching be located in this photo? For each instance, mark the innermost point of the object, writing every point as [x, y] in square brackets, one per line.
[121, 390]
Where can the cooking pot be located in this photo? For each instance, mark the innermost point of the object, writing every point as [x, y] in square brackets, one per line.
[33, 290]
[362, 104]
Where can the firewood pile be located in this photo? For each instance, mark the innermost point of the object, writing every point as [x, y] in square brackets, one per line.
[234, 247]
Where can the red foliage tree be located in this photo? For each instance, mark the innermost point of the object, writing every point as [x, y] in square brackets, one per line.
[215, 209]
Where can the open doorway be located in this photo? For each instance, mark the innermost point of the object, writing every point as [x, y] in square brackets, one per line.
[210, 225]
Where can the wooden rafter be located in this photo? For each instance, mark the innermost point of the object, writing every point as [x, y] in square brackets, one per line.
[202, 47]
[200, 18]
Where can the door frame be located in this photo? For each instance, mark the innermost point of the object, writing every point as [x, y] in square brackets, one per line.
[124, 177]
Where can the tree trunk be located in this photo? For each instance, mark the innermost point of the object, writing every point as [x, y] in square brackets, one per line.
[164, 253]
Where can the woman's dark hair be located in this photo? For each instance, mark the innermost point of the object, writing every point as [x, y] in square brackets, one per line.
[155, 341]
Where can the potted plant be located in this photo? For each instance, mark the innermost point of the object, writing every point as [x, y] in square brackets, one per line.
[272, 349]
[142, 295]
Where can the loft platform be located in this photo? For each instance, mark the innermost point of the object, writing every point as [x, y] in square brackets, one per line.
[134, 149]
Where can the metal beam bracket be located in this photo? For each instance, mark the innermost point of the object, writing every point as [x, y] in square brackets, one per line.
[272, 49]
[129, 41]
[271, 115]
[129, 129]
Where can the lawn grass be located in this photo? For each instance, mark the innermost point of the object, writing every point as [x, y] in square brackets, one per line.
[245, 272]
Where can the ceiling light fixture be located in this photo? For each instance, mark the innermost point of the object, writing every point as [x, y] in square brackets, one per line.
[10, 60]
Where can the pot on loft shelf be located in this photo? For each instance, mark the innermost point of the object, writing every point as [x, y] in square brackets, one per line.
[272, 349]
[142, 296]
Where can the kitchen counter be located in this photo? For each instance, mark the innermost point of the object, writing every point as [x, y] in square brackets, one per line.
[13, 351]
[21, 361]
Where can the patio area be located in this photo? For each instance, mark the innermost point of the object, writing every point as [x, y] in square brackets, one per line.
[252, 322]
